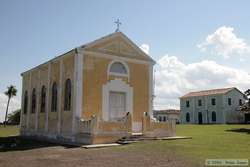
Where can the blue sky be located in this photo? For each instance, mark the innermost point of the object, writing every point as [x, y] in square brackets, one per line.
[32, 32]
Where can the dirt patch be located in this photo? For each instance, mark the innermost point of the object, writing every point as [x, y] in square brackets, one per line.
[59, 156]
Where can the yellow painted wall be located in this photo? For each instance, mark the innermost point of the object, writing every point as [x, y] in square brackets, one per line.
[53, 116]
[68, 73]
[95, 76]
[139, 80]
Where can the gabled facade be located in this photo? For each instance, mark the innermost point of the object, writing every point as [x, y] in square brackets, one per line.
[217, 106]
[96, 93]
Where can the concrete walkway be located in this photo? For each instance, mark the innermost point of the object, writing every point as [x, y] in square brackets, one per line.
[129, 142]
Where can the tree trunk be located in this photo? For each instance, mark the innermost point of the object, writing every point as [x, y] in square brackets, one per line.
[6, 112]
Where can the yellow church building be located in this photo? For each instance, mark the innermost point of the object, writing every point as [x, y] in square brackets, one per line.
[99, 92]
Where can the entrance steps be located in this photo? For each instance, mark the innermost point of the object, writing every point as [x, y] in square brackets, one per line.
[135, 137]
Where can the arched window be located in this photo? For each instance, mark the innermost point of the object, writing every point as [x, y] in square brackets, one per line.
[164, 118]
[240, 102]
[33, 102]
[214, 116]
[25, 105]
[67, 95]
[118, 68]
[54, 97]
[187, 117]
[43, 99]
[160, 118]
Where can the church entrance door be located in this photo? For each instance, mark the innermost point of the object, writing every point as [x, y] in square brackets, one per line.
[117, 105]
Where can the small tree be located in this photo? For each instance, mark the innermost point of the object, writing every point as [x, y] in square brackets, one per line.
[247, 93]
[11, 92]
[14, 117]
[245, 108]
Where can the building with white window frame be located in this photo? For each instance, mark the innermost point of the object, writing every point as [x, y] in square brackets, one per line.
[216, 106]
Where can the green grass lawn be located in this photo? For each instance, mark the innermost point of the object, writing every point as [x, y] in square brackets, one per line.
[213, 141]
[208, 141]
[9, 131]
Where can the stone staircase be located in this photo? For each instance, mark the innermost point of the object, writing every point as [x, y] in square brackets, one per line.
[135, 137]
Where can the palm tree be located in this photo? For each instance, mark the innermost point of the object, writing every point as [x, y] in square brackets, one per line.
[11, 92]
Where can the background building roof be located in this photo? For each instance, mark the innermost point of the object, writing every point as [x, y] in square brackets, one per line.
[168, 111]
[209, 92]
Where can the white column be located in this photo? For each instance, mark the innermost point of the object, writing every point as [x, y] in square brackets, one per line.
[60, 108]
[78, 83]
[29, 102]
[48, 98]
[37, 101]
[151, 91]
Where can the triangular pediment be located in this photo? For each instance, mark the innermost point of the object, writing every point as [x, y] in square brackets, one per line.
[119, 45]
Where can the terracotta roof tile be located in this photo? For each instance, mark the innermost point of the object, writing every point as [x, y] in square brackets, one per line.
[208, 92]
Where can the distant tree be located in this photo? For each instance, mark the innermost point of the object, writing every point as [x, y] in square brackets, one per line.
[247, 93]
[14, 117]
[245, 108]
[11, 92]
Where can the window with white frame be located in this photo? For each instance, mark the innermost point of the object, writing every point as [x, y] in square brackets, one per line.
[118, 68]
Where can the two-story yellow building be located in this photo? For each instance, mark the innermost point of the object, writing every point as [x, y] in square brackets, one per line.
[96, 93]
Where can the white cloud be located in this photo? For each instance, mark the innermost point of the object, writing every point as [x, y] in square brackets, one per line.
[14, 104]
[225, 42]
[145, 48]
[173, 79]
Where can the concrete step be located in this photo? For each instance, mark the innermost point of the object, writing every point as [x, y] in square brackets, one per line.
[133, 139]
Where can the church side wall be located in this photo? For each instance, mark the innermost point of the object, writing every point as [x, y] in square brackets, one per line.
[34, 85]
[43, 82]
[53, 116]
[67, 116]
[24, 118]
[49, 123]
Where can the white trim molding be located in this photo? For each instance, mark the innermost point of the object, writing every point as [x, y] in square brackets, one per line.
[151, 91]
[78, 88]
[116, 85]
[79, 85]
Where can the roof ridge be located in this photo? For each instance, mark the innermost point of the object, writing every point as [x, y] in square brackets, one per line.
[208, 92]
[212, 89]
